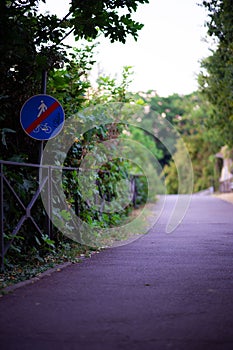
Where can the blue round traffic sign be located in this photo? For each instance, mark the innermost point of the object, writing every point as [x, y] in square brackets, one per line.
[42, 117]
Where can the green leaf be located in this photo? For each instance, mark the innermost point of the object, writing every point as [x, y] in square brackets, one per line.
[65, 215]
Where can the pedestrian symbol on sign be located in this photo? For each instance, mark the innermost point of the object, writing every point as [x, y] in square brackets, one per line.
[42, 108]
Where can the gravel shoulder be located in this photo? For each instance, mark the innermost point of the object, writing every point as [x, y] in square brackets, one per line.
[225, 196]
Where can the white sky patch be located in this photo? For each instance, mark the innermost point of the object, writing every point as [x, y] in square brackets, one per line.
[167, 55]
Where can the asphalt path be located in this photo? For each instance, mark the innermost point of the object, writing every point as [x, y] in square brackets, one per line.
[163, 291]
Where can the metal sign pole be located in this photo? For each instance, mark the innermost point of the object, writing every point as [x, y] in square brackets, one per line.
[44, 82]
[48, 222]
[43, 91]
[42, 118]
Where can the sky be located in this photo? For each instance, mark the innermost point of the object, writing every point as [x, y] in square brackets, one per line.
[167, 54]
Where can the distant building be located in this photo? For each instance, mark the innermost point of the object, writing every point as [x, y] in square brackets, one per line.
[226, 178]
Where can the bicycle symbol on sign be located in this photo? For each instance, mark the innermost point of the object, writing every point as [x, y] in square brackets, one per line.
[43, 127]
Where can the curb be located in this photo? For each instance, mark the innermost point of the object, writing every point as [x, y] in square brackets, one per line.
[32, 280]
[41, 275]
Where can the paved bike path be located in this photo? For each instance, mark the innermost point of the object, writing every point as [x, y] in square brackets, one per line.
[163, 291]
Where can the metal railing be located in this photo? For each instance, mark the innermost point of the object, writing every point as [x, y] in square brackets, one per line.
[5, 184]
[47, 183]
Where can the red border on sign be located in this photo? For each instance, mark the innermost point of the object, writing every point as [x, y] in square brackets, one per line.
[42, 117]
